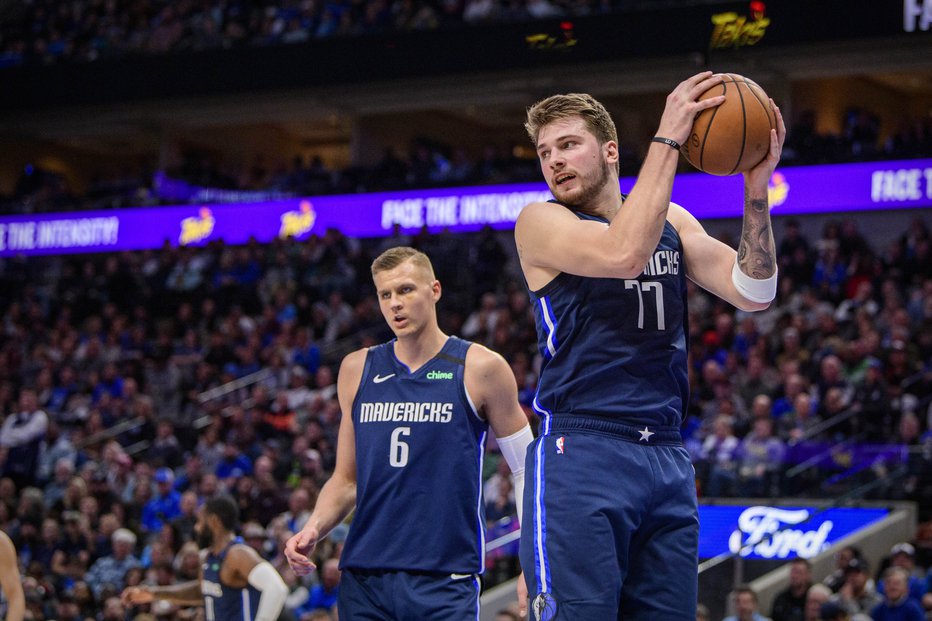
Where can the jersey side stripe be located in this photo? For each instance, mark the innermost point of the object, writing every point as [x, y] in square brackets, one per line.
[542, 566]
[247, 609]
[546, 311]
[479, 505]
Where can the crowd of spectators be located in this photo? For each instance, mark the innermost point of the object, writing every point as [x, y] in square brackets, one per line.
[46, 32]
[424, 164]
[135, 385]
[899, 588]
[861, 139]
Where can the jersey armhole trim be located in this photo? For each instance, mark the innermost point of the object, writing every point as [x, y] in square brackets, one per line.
[467, 398]
[362, 380]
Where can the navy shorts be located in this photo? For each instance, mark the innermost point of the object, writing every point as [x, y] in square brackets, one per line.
[611, 526]
[382, 595]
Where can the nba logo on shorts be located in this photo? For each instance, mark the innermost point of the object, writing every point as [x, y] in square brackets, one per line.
[560, 445]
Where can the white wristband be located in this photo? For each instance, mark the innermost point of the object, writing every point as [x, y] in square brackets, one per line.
[761, 291]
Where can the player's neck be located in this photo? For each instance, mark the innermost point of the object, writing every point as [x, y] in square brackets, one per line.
[606, 203]
[221, 542]
[416, 349]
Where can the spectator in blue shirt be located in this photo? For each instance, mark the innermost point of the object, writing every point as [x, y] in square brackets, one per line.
[898, 605]
[166, 505]
[111, 570]
[904, 555]
[234, 464]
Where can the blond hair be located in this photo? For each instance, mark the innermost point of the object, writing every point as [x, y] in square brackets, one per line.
[598, 120]
[393, 257]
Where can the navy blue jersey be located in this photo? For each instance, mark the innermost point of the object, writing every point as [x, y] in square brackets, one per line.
[419, 451]
[616, 347]
[223, 602]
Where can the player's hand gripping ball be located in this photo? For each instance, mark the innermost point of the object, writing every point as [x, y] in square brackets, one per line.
[735, 136]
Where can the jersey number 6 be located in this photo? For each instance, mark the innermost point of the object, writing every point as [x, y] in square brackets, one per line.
[398, 453]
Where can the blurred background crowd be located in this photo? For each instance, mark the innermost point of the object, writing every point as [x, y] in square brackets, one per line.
[135, 385]
[425, 163]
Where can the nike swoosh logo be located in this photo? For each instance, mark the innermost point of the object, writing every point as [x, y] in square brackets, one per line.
[379, 379]
[460, 576]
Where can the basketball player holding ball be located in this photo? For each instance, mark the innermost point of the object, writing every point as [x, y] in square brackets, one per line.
[610, 528]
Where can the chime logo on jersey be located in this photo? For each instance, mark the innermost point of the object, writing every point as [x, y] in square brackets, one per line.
[560, 441]
[435, 375]
[405, 412]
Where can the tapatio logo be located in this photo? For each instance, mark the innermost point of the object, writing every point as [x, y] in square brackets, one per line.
[733, 30]
[298, 223]
[197, 228]
[759, 532]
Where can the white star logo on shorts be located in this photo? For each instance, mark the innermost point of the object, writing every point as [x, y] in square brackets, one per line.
[645, 434]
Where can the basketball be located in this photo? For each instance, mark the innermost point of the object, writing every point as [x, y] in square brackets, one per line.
[735, 136]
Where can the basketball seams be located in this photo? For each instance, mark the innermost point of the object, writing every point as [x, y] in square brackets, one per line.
[732, 130]
[771, 117]
[708, 127]
[744, 124]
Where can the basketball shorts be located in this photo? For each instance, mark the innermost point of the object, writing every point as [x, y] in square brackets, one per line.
[611, 527]
[382, 595]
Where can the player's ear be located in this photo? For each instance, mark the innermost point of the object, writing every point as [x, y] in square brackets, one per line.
[437, 290]
[610, 149]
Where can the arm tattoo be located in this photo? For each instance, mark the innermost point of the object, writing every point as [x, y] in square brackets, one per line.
[756, 252]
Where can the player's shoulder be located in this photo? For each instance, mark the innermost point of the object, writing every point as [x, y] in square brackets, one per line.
[241, 558]
[679, 217]
[534, 212]
[242, 550]
[351, 370]
[354, 361]
[6, 543]
[482, 361]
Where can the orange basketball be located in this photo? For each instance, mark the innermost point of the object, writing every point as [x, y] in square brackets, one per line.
[735, 136]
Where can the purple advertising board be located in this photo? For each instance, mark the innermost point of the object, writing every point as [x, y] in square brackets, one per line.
[793, 191]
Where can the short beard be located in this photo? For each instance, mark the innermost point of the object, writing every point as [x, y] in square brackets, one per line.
[205, 539]
[588, 192]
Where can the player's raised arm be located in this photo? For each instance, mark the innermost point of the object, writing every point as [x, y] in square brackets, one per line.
[746, 278]
[247, 566]
[338, 496]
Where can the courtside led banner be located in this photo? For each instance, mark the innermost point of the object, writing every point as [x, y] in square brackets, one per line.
[802, 190]
[777, 533]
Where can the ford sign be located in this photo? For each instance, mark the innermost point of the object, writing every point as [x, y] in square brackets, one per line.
[764, 532]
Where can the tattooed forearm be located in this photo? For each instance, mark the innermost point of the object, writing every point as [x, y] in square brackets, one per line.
[756, 252]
